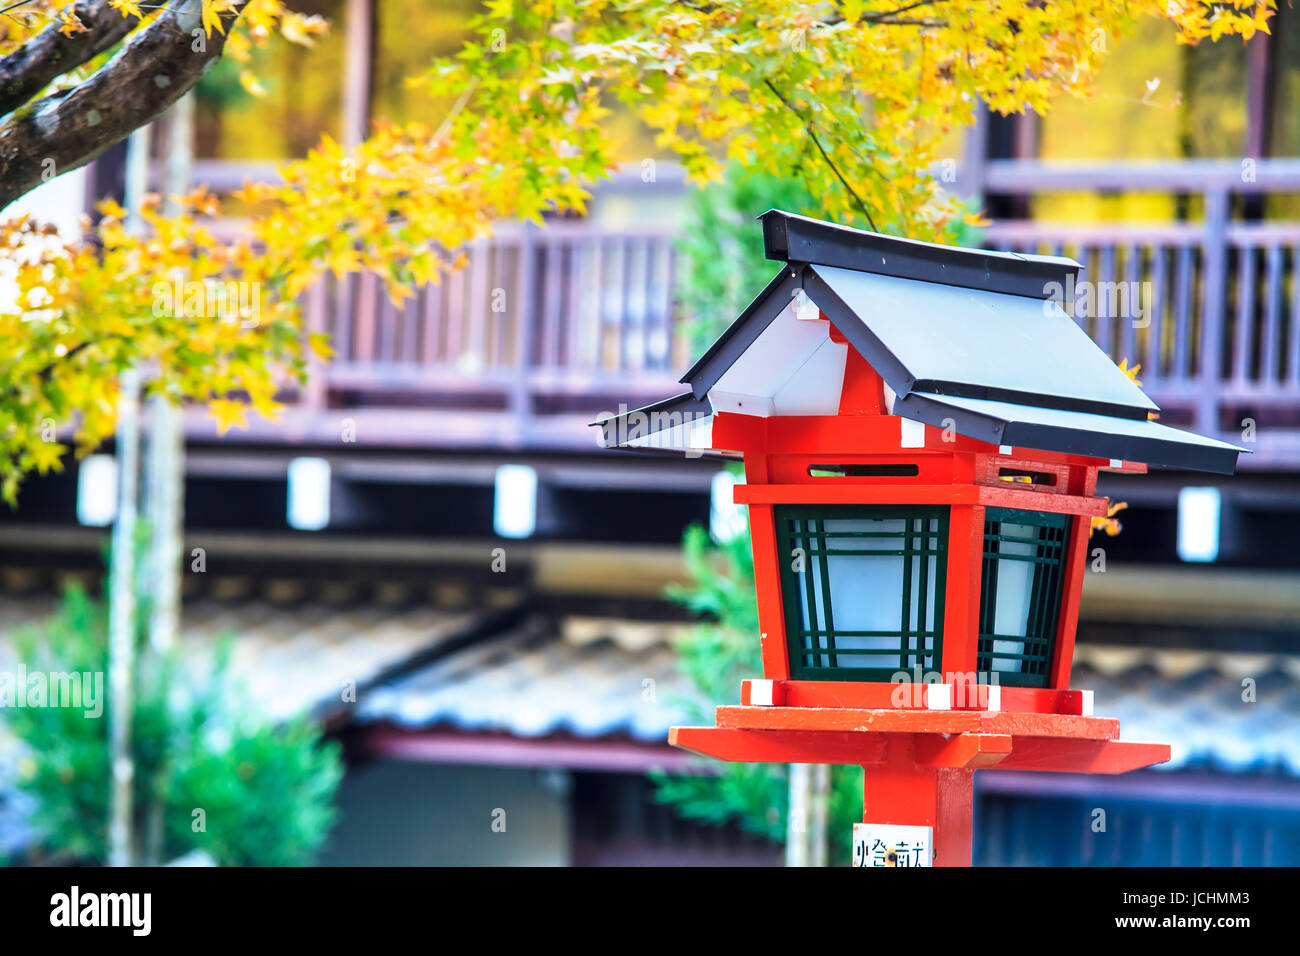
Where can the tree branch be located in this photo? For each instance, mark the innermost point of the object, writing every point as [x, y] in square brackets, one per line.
[880, 15]
[50, 54]
[818, 143]
[67, 129]
[891, 18]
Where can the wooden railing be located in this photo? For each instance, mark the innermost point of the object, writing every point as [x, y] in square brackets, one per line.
[537, 320]
[1216, 327]
[578, 316]
[1212, 312]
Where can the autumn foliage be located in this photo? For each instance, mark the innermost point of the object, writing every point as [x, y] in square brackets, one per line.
[850, 98]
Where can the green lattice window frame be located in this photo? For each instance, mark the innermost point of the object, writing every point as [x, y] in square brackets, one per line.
[1030, 656]
[817, 650]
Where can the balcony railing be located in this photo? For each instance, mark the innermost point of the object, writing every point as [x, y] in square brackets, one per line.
[548, 325]
[1212, 314]
[537, 320]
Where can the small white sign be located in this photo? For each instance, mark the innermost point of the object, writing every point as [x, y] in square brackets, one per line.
[883, 844]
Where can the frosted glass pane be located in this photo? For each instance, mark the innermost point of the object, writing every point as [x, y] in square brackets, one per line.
[1010, 665]
[1015, 584]
[866, 592]
[851, 593]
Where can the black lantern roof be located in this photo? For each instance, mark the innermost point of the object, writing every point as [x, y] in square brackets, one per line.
[964, 337]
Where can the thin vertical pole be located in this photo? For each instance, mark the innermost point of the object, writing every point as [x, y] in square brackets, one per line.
[166, 446]
[358, 54]
[798, 851]
[121, 602]
[121, 635]
[164, 487]
[819, 812]
[164, 506]
[806, 830]
[1214, 302]
[975, 155]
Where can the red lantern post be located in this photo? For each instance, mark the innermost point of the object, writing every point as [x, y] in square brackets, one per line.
[921, 428]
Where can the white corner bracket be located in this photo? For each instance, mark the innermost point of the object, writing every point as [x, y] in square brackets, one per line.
[760, 693]
[911, 434]
[938, 697]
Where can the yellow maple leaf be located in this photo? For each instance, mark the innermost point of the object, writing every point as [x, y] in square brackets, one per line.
[251, 84]
[1109, 524]
[343, 261]
[1132, 373]
[320, 346]
[126, 8]
[111, 208]
[69, 24]
[298, 29]
[228, 414]
[46, 456]
[211, 18]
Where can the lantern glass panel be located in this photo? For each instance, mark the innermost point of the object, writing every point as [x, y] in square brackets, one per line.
[863, 589]
[1024, 554]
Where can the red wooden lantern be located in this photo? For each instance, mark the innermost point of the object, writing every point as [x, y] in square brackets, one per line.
[921, 428]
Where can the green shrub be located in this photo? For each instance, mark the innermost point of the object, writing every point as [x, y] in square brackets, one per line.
[265, 790]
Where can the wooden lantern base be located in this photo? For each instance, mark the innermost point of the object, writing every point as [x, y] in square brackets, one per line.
[920, 765]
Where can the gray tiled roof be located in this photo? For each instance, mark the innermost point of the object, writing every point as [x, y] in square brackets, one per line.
[535, 681]
[293, 647]
[1194, 700]
[583, 677]
[294, 644]
[594, 677]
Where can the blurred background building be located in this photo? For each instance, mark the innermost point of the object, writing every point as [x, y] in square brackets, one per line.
[433, 525]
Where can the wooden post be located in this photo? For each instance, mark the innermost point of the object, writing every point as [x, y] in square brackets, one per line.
[1217, 211]
[121, 601]
[166, 468]
[1076, 563]
[164, 477]
[121, 632]
[898, 792]
[521, 394]
[797, 848]
[358, 53]
[819, 814]
[975, 155]
[805, 843]
[767, 587]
